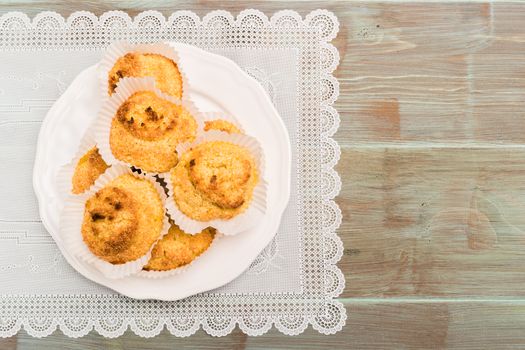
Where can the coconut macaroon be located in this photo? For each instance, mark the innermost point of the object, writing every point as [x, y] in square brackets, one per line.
[89, 167]
[165, 71]
[146, 130]
[214, 180]
[123, 219]
[178, 248]
[221, 125]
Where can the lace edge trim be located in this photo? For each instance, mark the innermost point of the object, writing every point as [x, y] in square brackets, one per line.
[76, 328]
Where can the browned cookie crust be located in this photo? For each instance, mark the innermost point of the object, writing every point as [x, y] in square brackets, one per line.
[147, 129]
[214, 180]
[166, 72]
[123, 219]
[87, 171]
[221, 125]
[178, 248]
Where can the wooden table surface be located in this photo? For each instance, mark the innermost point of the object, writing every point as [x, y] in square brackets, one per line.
[432, 136]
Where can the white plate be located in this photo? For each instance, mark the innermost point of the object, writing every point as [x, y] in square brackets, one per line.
[217, 83]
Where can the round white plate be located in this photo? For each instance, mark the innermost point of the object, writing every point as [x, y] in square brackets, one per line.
[217, 84]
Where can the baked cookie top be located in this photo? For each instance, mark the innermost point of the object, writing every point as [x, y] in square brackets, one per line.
[214, 180]
[123, 219]
[165, 72]
[89, 167]
[178, 248]
[221, 125]
[147, 129]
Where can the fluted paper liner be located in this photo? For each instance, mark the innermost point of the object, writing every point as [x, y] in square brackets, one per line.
[241, 222]
[66, 172]
[126, 88]
[72, 217]
[163, 274]
[121, 48]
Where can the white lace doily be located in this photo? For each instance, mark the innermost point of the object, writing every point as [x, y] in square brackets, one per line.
[297, 274]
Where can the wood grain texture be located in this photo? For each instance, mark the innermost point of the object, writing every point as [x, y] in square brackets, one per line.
[432, 111]
[434, 73]
[435, 221]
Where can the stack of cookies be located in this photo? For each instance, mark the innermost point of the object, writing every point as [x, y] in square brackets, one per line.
[156, 180]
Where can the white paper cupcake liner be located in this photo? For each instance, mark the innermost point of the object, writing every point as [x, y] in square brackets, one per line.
[178, 270]
[65, 174]
[72, 217]
[245, 220]
[126, 88]
[121, 48]
[210, 116]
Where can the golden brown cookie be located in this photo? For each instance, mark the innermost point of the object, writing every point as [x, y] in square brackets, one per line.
[87, 170]
[178, 248]
[123, 219]
[221, 125]
[214, 180]
[166, 73]
[147, 129]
